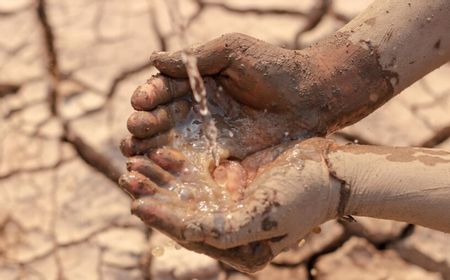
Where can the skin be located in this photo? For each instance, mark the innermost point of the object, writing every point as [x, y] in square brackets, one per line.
[236, 218]
[309, 182]
[400, 183]
[299, 93]
[260, 96]
[248, 74]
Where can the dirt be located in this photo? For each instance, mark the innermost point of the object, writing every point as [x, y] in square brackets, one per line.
[61, 215]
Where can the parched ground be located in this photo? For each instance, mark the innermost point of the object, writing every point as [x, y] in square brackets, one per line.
[67, 70]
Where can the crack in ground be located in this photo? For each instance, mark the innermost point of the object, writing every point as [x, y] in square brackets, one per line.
[103, 165]
[268, 11]
[437, 138]
[8, 89]
[86, 152]
[315, 17]
[52, 58]
[331, 248]
[90, 156]
[407, 231]
[55, 165]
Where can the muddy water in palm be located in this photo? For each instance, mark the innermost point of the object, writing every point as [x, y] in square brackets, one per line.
[210, 188]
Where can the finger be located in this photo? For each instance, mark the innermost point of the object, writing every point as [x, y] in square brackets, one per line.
[149, 169]
[174, 220]
[162, 213]
[131, 146]
[158, 90]
[169, 159]
[137, 184]
[212, 57]
[144, 124]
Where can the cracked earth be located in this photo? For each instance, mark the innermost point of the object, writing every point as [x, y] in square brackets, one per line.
[67, 70]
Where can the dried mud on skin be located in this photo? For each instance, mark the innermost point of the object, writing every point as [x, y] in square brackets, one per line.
[67, 70]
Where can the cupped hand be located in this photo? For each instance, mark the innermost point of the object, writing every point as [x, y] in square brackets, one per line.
[269, 94]
[240, 213]
[263, 91]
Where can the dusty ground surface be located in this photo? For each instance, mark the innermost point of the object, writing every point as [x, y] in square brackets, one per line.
[67, 70]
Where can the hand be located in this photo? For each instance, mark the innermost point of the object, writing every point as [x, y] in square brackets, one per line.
[274, 94]
[266, 95]
[242, 214]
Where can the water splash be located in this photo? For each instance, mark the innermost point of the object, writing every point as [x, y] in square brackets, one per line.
[158, 251]
[209, 128]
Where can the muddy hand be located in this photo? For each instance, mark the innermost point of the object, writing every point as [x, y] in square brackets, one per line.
[277, 94]
[244, 214]
[257, 86]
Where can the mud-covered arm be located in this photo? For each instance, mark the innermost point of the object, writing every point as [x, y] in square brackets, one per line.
[403, 184]
[309, 183]
[375, 56]
[411, 38]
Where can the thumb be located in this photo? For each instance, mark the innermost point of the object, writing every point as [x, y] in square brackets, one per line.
[212, 57]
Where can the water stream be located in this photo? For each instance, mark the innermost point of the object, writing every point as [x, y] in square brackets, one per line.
[209, 129]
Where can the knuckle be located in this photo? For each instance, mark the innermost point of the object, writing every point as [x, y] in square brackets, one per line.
[235, 40]
[234, 36]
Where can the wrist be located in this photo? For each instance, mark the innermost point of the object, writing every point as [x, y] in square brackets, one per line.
[314, 178]
[341, 71]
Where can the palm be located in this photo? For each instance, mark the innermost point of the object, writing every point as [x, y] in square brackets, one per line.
[233, 213]
[243, 129]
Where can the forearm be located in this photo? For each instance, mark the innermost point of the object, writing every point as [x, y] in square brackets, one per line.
[403, 184]
[411, 37]
[374, 57]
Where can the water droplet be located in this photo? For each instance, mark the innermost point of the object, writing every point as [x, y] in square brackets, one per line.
[203, 111]
[170, 244]
[158, 251]
[197, 98]
[185, 194]
[301, 243]
[140, 202]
